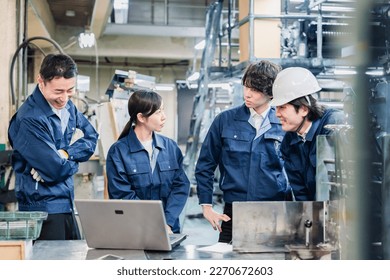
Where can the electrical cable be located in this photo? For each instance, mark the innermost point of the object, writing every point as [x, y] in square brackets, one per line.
[22, 46]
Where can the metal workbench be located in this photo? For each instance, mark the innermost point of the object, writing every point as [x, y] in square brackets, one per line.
[78, 250]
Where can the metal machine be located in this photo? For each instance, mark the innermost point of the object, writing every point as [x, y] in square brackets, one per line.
[352, 181]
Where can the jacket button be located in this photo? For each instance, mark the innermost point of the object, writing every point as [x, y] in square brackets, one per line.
[134, 170]
[235, 136]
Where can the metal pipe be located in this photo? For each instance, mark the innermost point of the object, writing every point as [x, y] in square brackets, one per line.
[166, 12]
[315, 3]
[251, 29]
[288, 16]
[212, 28]
[229, 50]
[319, 36]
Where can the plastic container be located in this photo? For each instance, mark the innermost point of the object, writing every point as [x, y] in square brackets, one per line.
[21, 225]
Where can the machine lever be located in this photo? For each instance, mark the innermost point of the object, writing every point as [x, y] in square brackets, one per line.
[308, 225]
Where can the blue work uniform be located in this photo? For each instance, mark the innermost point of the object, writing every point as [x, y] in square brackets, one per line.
[36, 134]
[251, 168]
[300, 159]
[130, 175]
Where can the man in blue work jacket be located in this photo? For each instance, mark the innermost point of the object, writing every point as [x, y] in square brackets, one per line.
[303, 119]
[244, 142]
[46, 151]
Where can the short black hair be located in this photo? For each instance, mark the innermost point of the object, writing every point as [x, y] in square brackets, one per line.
[58, 65]
[315, 110]
[260, 76]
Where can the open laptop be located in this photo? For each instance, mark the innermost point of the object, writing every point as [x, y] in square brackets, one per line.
[125, 224]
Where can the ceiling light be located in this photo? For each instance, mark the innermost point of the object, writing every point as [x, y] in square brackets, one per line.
[70, 13]
[344, 71]
[86, 40]
[375, 72]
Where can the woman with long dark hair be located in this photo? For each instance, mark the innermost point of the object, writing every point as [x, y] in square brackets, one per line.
[143, 164]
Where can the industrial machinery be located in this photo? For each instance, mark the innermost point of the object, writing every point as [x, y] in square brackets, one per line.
[325, 37]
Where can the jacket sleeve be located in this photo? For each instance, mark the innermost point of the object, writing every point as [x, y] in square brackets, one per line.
[180, 191]
[33, 142]
[294, 174]
[84, 147]
[207, 163]
[119, 187]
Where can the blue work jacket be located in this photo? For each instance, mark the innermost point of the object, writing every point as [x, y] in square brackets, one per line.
[35, 135]
[300, 157]
[130, 175]
[250, 168]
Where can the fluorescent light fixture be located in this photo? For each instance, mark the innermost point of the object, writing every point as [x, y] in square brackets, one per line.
[200, 45]
[164, 87]
[70, 13]
[337, 9]
[375, 72]
[193, 77]
[86, 40]
[339, 71]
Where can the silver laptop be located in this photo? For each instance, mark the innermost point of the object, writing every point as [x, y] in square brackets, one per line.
[125, 224]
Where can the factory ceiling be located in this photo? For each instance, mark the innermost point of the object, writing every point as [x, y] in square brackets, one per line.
[123, 28]
[72, 12]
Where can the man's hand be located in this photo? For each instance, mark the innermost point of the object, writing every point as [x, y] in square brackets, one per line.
[36, 175]
[63, 154]
[213, 217]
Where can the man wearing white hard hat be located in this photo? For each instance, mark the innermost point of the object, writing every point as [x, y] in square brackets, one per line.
[303, 119]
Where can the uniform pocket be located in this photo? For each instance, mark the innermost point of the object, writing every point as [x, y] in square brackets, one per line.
[271, 156]
[236, 141]
[236, 147]
[167, 170]
[140, 177]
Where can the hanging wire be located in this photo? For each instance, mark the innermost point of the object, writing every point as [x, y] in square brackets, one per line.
[23, 46]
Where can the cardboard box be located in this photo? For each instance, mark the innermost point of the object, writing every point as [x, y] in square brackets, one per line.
[15, 249]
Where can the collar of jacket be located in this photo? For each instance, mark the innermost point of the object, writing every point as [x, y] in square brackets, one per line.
[243, 114]
[313, 130]
[136, 146]
[43, 104]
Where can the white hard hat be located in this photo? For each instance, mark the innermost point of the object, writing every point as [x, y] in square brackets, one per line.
[292, 83]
